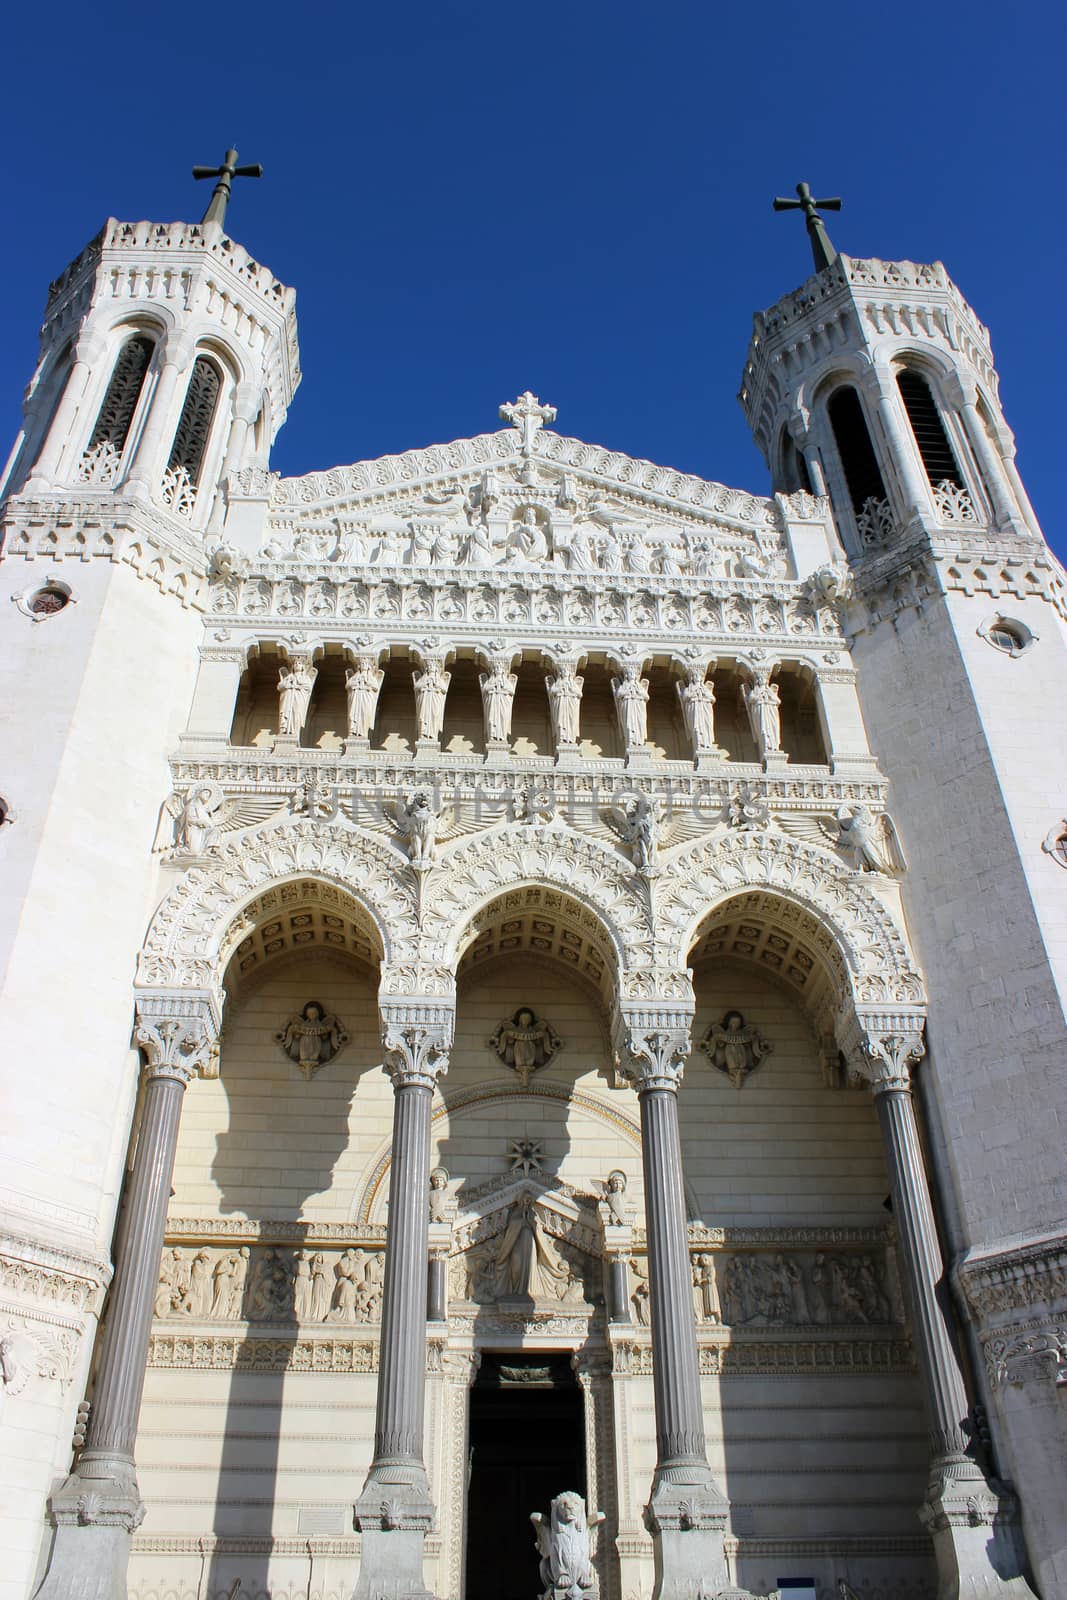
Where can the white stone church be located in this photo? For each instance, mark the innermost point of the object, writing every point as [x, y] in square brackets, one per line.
[528, 971]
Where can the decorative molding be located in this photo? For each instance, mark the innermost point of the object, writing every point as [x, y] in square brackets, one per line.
[254, 1352]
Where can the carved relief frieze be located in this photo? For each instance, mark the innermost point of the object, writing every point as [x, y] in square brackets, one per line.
[270, 1284]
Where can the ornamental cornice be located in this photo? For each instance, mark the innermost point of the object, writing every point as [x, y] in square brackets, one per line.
[51, 1274]
[1020, 1277]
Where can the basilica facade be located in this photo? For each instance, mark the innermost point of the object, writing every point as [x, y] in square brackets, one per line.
[528, 971]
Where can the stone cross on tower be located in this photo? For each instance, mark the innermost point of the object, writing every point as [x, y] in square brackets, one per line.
[823, 251]
[529, 416]
[220, 195]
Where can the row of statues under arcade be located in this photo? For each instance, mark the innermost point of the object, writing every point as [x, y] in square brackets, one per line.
[696, 710]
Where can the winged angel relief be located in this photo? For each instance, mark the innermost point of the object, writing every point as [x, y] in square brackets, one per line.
[421, 826]
[867, 843]
[194, 823]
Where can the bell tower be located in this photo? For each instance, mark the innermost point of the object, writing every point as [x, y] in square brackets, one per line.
[168, 360]
[874, 384]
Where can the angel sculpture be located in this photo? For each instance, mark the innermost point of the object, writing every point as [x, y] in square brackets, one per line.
[525, 1043]
[735, 1047]
[637, 823]
[312, 1037]
[194, 823]
[565, 1547]
[417, 821]
[868, 844]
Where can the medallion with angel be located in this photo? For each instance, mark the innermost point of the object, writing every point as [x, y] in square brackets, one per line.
[525, 1043]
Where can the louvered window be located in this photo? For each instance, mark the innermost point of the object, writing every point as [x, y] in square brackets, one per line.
[194, 424]
[929, 430]
[862, 472]
[123, 392]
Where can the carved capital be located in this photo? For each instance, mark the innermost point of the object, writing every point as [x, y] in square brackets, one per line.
[652, 1048]
[882, 1049]
[178, 1035]
[416, 1041]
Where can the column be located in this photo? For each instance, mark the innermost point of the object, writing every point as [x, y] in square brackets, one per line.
[991, 464]
[98, 1507]
[686, 1513]
[841, 718]
[162, 420]
[218, 681]
[903, 452]
[394, 1511]
[246, 405]
[62, 433]
[969, 1515]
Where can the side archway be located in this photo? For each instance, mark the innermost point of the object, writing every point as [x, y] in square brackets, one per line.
[197, 926]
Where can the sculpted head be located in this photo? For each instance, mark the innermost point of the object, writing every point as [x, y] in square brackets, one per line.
[568, 1507]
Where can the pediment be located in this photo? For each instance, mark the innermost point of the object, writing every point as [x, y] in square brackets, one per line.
[473, 496]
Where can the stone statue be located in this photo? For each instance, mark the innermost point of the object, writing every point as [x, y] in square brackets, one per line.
[525, 1043]
[615, 1200]
[527, 538]
[525, 1264]
[302, 1287]
[762, 701]
[438, 1195]
[565, 1547]
[195, 824]
[362, 684]
[295, 684]
[697, 699]
[631, 704]
[498, 695]
[321, 1289]
[868, 845]
[417, 821]
[312, 1037]
[636, 822]
[272, 1291]
[565, 703]
[431, 691]
[735, 1047]
[704, 1282]
[640, 1293]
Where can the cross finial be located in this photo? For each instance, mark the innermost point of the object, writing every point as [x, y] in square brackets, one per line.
[528, 415]
[823, 251]
[220, 195]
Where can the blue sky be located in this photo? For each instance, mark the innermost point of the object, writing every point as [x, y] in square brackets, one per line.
[472, 200]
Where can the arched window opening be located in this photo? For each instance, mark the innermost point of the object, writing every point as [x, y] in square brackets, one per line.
[255, 717]
[395, 726]
[866, 488]
[666, 730]
[929, 430]
[793, 469]
[103, 454]
[463, 732]
[732, 731]
[801, 736]
[531, 732]
[326, 725]
[182, 477]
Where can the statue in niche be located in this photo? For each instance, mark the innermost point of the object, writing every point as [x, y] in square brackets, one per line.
[735, 1047]
[295, 684]
[498, 694]
[640, 1293]
[525, 1044]
[416, 820]
[631, 703]
[566, 1549]
[868, 845]
[321, 1289]
[525, 1264]
[762, 701]
[565, 703]
[312, 1038]
[696, 696]
[302, 1287]
[431, 691]
[362, 684]
[708, 1308]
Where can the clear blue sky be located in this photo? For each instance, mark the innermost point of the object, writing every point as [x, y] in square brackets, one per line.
[472, 200]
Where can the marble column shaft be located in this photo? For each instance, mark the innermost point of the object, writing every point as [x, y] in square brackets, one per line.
[402, 1359]
[924, 1271]
[124, 1342]
[676, 1372]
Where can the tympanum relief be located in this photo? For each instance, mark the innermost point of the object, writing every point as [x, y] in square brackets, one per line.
[517, 1259]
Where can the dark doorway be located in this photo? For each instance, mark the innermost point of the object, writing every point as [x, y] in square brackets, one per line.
[527, 1440]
